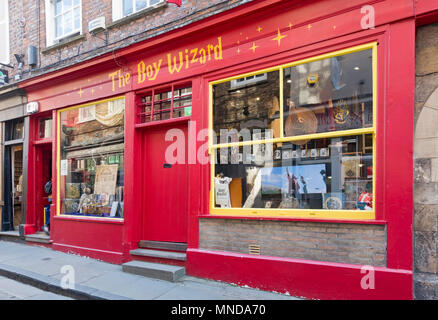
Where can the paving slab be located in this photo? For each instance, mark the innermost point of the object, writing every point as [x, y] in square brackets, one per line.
[41, 267]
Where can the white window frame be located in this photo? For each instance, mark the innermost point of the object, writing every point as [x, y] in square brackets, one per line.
[4, 25]
[249, 80]
[51, 37]
[87, 114]
[118, 8]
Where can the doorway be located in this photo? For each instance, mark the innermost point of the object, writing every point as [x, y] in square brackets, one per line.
[17, 185]
[165, 188]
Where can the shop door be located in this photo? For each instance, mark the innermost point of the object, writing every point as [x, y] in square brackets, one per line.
[17, 184]
[165, 185]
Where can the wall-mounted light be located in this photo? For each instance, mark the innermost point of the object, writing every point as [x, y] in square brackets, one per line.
[19, 58]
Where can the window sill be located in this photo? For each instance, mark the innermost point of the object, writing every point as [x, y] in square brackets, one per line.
[320, 220]
[137, 15]
[90, 219]
[64, 43]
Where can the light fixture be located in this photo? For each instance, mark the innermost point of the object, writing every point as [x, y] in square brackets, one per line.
[289, 81]
[356, 68]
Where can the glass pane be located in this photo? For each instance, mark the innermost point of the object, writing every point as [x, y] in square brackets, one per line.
[140, 4]
[68, 22]
[18, 130]
[58, 26]
[329, 95]
[152, 2]
[67, 5]
[247, 105]
[77, 18]
[76, 2]
[332, 174]
[92, 162]
[127, 7]
[58, 7]
[45, 128]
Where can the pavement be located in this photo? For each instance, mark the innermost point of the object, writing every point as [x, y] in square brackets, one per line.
[86, 278]
[14, 290]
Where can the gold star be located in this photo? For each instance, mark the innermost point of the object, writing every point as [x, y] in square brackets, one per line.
[334, 27]
[259, 29]
[279, 37]
[80, 92]
[238, 50]
[254, 47]
[238, 41]
[290, 26]
[92, 90]
[309, 26]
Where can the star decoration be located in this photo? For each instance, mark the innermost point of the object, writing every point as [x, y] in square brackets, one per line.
[238, 50]
[259, 29]
[254, 47]
[80, 92]
[309, 26]
[290, 26]
[279, 37]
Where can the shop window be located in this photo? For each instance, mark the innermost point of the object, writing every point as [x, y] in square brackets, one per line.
[14, 130]
[45, 128]
[91, 168]
[300, 142]
[164, 104]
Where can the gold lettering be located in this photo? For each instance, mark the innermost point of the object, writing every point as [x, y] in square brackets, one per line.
[174, 68]
[157, 69]
[194, 52]
[203, 54]
[113, 78]
[141, 74]
[218, 49]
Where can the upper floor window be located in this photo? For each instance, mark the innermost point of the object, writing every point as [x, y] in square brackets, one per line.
[4, 32]
[63, 19]
[123, 8]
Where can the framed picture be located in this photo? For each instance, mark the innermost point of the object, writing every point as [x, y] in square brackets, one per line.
[314, 153]
[324, 152]
[277, 154]
[295, 154]
[351, 166]
[287, 154]
[333, 201]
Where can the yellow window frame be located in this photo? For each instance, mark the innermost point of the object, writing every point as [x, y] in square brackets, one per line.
[297, 213]
[58, 160]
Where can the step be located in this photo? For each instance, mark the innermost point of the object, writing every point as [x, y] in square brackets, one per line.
[13, 236]
[38, 237]
[159, 254]
[173, 246]
[154, 270]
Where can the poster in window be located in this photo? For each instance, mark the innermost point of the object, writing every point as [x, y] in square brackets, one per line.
[106, 179]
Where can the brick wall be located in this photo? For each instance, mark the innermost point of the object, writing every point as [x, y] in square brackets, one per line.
[28, 27]
[426, 165]
[344, 243]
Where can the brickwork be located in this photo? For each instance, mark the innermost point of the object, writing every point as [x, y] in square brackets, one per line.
[28, 27]
[344, 243]
[426, 165]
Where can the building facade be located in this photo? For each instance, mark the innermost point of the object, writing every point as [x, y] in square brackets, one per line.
[264, 137]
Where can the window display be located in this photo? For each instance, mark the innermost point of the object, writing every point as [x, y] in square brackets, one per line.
[298, 138]
[321, 174]
[91, 175]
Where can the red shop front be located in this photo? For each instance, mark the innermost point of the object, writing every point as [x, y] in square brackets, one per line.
[299, 205]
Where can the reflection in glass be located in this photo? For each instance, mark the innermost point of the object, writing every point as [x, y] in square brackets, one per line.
[92, 160]
[329, 173]
[329, 95]
[247, 103]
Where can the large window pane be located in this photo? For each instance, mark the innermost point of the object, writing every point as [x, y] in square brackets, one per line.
[140, 4]
[329, 173]
[92, 160]
[127, 7]
[247, 104]
[329, 95]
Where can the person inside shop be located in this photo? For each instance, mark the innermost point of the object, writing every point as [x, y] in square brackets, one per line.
[48, 191]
